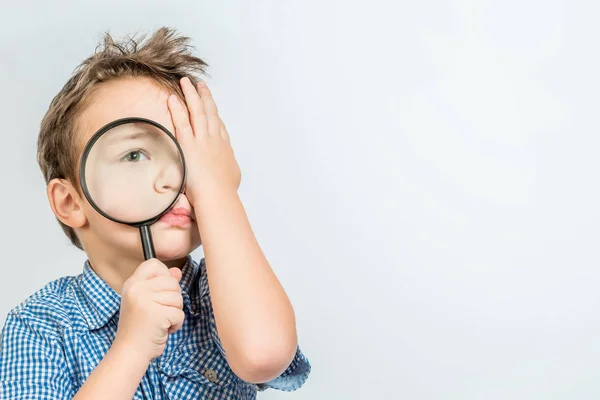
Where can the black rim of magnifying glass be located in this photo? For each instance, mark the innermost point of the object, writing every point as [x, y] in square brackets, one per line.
[88, 148]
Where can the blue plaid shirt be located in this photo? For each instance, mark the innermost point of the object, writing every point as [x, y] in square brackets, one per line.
[53, 341]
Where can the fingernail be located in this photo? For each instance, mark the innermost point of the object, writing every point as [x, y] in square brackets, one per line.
[202, 84]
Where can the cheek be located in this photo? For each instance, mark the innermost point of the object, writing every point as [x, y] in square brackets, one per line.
[133, 198]
[126, 198]
[107, 229]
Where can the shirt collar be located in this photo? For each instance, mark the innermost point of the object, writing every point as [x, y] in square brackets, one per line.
[99, 302]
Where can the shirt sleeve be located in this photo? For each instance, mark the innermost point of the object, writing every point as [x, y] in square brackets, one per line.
[31, 362]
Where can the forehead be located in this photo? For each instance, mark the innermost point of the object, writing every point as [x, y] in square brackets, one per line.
[126, 97]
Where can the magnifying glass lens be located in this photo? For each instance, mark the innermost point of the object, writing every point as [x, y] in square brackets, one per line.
[133, 172]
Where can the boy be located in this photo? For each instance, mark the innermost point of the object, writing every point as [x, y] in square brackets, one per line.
[166, 328]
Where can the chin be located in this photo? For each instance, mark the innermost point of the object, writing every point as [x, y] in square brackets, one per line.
[174, 245]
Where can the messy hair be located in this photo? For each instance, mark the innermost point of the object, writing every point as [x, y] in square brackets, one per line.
[164, 57]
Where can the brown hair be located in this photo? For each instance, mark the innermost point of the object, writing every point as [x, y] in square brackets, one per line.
[165, 57]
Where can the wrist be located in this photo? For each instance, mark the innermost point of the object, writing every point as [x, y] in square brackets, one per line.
[215, 198]
[127, 352]
[117, 376]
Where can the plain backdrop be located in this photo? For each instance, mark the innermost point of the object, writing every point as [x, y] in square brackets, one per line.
[421, 175]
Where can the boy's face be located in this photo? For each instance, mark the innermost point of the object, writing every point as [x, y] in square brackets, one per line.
[174, 238]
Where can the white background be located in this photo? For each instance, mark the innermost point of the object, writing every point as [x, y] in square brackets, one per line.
[421, 175]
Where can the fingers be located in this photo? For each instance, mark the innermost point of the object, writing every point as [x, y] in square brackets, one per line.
[212, 114]
[176, 273]
[169, 299]
[149, 269]
[175, 317]
[195, 105]
[200, 117]
[164, 283]
[180, 118]
[174, 328]
[224, 133]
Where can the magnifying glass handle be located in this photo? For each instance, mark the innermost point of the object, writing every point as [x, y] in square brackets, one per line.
[147, 243]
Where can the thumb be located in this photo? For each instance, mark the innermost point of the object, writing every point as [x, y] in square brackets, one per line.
[175, 273]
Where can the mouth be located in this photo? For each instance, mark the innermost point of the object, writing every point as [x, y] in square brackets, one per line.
[178, 217]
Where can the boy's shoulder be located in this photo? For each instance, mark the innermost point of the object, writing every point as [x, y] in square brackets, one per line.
[50, 307]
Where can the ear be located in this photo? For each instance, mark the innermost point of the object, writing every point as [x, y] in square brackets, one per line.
[66, 203]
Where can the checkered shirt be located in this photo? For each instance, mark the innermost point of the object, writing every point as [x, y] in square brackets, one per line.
[53, 341]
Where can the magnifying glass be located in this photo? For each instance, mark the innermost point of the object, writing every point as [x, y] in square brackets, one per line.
[132, 171]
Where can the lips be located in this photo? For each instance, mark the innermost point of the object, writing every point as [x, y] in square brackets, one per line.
[178, 217]
[181, 211]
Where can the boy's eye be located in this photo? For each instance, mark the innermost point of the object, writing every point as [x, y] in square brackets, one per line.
[135, 156]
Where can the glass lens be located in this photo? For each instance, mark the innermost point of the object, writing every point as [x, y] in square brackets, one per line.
[133, 172]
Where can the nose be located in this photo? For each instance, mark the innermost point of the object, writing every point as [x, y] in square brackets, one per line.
[169, 179]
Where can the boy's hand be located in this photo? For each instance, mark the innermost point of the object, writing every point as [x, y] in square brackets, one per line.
[210, 162]
[151, 308]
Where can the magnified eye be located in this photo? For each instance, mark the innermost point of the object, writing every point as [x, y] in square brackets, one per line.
[134, 156]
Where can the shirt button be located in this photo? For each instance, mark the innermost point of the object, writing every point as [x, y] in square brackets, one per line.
[211, 375]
